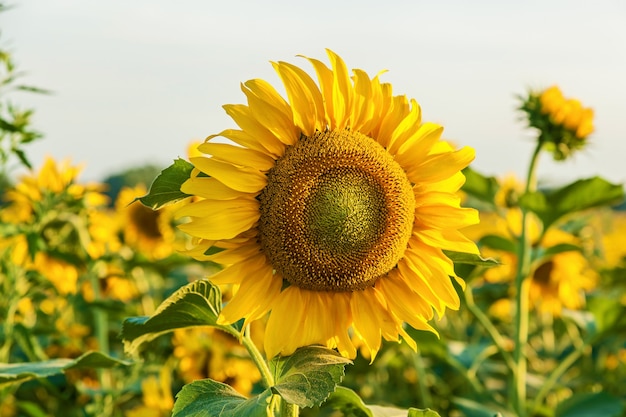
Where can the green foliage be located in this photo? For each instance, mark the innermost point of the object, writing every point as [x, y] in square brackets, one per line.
[349, 403]
[195, 304]
[307, 377]
[15, 123]
[470, 259]
[590, 404]
[20, 372]
[166, 187]
[552, 205]
[208, 398]
[480, 187]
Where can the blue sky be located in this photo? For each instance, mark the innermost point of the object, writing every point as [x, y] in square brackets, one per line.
[135, 81]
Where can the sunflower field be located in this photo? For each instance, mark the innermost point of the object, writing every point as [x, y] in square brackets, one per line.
[333, 255]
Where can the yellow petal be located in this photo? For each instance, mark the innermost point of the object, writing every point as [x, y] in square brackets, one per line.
[305, 97]
[235, 255]
[273, 148]
[210, 188]
[398, 111]
[288, 314]
[363, 107]
[236, 155]
[235, 273]
[418, 145]
[246, 120]
[342, 91]
[258, 291]
[366, 316]
[325, 79]
[439, 166]
[407, 128]
[217, 220]
[271, 118]
[245, 179]
[447, 239]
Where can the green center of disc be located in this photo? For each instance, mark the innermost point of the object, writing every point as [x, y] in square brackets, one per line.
[337, 212]
[345, 212]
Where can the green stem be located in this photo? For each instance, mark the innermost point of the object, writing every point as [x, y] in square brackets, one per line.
[418, 362]
[289, 410]
[518, 376]
[489, 327]
[557, 373]
[101, 328]
[257, 357]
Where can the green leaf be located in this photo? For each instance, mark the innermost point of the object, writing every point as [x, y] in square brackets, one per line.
[307, 377]
[590, 404]
[550, 206]
[208, 398]
[166, 187]
[471, 408]
[195, 304]
[609, 315]
[498, 243]
[479, 186]
[470, 259]
[415, 412]
[556, 249]
[19, 372]
[349, 403]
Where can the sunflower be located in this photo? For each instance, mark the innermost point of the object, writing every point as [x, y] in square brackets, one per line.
[150, 232]
[562, 280]
[332, 209]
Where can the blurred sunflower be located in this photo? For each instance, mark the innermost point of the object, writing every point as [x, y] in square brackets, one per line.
[562, 280]
[564, 124]
[157, 396]
[209, 353]
[332, 211]
[146, 230]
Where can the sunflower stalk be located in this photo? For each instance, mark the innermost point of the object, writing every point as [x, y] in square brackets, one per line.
[257, 358]
[518, 376]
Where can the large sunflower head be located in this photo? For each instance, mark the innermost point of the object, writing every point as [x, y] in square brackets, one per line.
[331, 208]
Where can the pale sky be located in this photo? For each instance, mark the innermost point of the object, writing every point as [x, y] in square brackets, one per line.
[135, 81]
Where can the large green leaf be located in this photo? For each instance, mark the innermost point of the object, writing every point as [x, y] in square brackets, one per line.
[20, 372]
[166, 187]
[208, 398]
[590, 404]
[349, 403]
[307, 377]
[481, 187]
[550, 206]
[195, 304]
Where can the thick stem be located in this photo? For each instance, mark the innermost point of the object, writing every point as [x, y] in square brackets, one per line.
[518, 376]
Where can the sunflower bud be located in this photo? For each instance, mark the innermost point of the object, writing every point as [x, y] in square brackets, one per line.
[564, 124]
